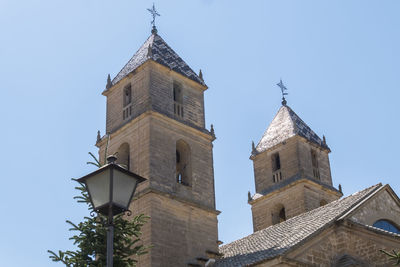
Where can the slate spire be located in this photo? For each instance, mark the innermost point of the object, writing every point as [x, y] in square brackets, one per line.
[285, 125]
[155, 48]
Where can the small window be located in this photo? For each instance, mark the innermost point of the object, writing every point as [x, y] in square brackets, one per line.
[282, 215]
[127, 102]
[183, 163]
[276, 162]
[276, 168]
[127, 95]
[278, 214]
[314, 162]
[387, 225]
[178, 100]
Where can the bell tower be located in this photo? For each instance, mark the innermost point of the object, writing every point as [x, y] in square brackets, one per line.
[155, 122]
[291, 171]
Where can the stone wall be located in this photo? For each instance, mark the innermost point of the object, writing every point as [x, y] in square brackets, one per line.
[295, 159]
[183, 222]
[263, 164]
[178, 232]
[350, 240]
[139, 81]
[305, 162]
[297, 198]
[164, 136]
[383, 206]
[161, 90]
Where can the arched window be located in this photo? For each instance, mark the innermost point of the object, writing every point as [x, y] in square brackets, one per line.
[278, 214]
[314, 162]
[276, 168]
[123, 156]
[323, 202]
[178, 100]
[387, 226]
[183, 164]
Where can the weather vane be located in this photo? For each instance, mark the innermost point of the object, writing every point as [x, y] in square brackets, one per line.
[154, 13]
[283, 89]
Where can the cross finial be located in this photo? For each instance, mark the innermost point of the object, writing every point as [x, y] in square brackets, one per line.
[154, 13]
[283, 89]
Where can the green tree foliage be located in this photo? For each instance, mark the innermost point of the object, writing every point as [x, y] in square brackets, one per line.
[394, 256]
[91, 235]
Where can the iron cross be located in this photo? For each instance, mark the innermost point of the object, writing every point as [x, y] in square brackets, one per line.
[154, 13]
[283, 89]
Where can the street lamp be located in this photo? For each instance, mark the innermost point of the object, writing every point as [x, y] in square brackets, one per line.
[111, 189]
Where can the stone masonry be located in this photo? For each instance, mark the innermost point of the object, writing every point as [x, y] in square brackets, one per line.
[183, 224]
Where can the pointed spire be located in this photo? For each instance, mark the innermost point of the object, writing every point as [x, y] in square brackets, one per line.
[201, 75]
[324, 139]
[109, 83]
[212, 130]
[340, 188]
[253, 148]
[249, 198]
[98, 137]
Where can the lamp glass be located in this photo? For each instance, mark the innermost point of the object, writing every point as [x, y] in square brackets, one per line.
[99, 188]
[123, 188]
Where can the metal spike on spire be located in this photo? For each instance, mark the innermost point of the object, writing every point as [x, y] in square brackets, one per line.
[283, 89]
[154, 14]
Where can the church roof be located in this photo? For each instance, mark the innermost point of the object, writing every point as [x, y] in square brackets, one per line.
[157, 49]
[278, 239]
[287, 124]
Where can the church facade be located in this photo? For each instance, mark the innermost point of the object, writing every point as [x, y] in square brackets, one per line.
[155, 123]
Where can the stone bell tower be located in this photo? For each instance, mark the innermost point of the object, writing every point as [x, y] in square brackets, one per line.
[155, 122]
[291, 171]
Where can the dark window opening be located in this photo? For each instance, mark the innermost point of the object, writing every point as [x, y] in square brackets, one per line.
[276, 168]
[276, 162]
[314, 162]
[127, 95]
[282, 215]
[278, 214]
[183, 163]
[178, 100]
[127, 102]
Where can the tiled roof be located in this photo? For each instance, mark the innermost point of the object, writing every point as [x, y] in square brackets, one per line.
[280, 238]
[285, 125]
[156, 48]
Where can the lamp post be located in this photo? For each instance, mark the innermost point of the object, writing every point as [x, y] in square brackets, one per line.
[111, 189]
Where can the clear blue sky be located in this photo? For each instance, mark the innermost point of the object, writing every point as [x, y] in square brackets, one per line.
[339, 59]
